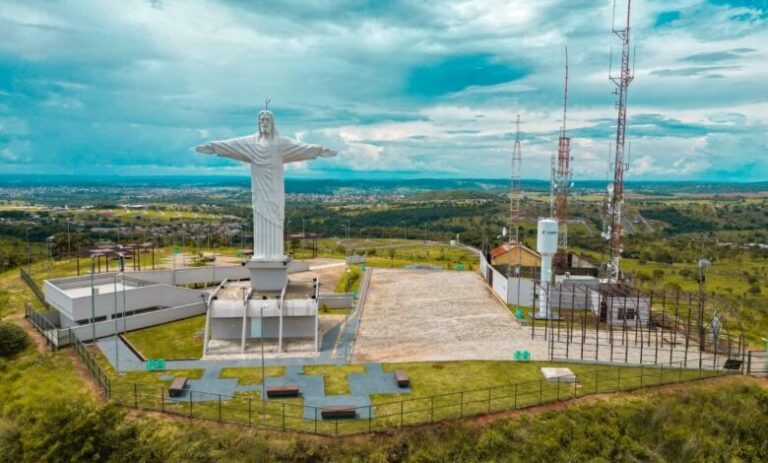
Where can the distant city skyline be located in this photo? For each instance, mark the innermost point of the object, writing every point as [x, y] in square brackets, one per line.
[404, 89]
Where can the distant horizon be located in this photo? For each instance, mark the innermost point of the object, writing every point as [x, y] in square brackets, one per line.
[6, 178]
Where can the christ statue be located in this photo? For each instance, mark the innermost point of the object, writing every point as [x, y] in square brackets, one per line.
[266, 152]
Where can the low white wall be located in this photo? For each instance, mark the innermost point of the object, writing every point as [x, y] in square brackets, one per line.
[135, 299]
[337, 301]
[135, 322]
[57, 298]
[526, 291]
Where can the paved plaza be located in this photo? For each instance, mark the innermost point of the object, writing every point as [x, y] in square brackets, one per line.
[422, 315]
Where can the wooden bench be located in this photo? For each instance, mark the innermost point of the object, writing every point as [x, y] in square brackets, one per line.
[402, 378]
[338, 411]
[732, 364]
[177, 387]
[284, 390]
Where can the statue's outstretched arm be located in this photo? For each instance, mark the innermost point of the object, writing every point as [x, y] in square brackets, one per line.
[205, 149]
[234, 148]
[295, 151]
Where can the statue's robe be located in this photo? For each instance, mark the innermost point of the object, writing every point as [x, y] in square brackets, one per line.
[267, 158]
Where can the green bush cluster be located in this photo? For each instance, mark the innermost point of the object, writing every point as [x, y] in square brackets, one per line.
[12, 339]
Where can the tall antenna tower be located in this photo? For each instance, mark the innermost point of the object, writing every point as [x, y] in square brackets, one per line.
[516, 195]
[516, 206]
[613, 227]
[516, 198]
[561, 180]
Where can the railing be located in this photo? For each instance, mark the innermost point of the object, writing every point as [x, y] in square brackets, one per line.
[33, 286]
[90, 362]
[381, 416]
[50, 332]
[757, 363]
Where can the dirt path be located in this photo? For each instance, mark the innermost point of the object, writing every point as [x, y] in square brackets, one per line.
[41, 345]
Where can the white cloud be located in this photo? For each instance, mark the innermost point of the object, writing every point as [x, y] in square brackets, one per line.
[176, 73]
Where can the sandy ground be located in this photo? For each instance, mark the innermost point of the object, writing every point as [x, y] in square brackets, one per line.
[417, 315]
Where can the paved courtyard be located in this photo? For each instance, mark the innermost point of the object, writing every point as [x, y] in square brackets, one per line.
[418, 315]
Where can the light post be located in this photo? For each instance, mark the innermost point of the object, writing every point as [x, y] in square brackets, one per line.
[69, 241]
[122, 277]
[93, 302]
[263, 378]
[117, 330]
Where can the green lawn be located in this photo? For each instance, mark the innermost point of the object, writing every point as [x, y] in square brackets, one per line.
[350, 280]
[171, 341]
[334, 376]
[251, 375]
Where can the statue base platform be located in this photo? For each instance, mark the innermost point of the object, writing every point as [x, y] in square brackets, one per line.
[268, 275]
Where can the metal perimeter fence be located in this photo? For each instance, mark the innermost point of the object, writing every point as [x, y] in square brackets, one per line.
[757, 363]
[27, 278]
[54, 336]
[293, 415]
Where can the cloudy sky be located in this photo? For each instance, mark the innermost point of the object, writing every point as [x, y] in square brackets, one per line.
[408, 88]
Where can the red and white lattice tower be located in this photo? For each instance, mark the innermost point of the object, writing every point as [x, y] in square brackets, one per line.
[613, 225]
[561, 181]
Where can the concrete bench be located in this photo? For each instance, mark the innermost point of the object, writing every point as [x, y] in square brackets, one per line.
[402, 378]
[284, 390]
[338, 411]
[177, 387]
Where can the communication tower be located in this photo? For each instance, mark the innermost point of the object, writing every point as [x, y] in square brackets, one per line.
[615, 203]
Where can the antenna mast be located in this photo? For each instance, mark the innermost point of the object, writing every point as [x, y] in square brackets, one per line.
[561, 180]
[516, 198]
[616, 190]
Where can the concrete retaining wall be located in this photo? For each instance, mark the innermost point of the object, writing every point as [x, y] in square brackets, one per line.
[293, 327]
[135, 322]
[337, 301]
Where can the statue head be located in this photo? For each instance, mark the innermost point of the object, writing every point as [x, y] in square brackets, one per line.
[267, 129]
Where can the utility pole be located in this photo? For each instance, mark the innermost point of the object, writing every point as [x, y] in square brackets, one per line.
[612, 231]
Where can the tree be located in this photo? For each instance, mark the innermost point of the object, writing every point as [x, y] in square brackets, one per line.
[12, 339]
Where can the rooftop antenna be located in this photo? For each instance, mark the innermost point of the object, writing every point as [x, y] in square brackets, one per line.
[561, 180]
[613, 228]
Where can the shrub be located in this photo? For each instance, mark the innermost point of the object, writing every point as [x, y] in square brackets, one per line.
[12, 339]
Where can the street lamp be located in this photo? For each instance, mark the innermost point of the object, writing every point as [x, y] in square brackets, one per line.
[93, 303]
[263, 377]
[303, 231]
[117, 330]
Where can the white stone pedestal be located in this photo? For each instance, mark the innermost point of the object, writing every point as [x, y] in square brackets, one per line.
[268, 275]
